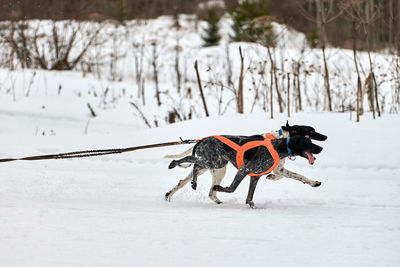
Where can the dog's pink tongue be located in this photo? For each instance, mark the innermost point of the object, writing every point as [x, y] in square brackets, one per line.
[310, 158]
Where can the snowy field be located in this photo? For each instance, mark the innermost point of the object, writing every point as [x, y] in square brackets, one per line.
[110, 211]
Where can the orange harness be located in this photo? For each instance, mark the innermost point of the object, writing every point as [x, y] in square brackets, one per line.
[240, 150]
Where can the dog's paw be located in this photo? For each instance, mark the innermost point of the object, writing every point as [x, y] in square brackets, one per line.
[251, 204]
[216, 200]
[167, 197]
[316, 184]
[194, 185]
[172, 164]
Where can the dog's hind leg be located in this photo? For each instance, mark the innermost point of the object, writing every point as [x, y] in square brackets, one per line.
[300, 178]
[252, 188]
[188, 159]
[196, 170]
[218, 175]
[243, 172]
[181, 184]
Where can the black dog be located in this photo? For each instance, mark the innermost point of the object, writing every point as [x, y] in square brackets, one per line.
[211, 153]
[303, 130]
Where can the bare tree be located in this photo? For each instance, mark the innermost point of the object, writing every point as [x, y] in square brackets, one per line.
[358, 91]
[240, 85]
[155, 71]
[362, 13]
[228, 66]
[16, 36]
[117, 53]
[271, 91]
[296, 67]
[138, 55]
[177, 26]
[288, 94]
[34, 48]
[261, 80]
[322, 13]
[267, 40]
[201, 89]
[178, 49]
[275, 78]
[62, 46]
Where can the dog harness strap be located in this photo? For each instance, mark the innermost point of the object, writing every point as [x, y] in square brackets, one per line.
[274, 155]
[240, 150]
[269, 136]
[228, 142]
[244, 148]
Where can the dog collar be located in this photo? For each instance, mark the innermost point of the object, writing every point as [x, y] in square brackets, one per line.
[287, 145]
[280, 132]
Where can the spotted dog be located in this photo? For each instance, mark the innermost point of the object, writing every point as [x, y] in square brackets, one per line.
[278, 173]
[215, 153]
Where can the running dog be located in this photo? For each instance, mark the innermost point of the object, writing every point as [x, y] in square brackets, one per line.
[279, 171]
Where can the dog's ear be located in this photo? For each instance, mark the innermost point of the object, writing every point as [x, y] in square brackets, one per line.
[287, 127]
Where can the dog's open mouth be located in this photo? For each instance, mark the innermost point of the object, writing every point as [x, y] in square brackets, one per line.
[310, 157]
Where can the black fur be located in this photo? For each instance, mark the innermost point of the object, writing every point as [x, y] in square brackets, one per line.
[304, 130]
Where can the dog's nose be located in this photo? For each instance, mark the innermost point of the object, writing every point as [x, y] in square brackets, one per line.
[319, 137]
[324, 137]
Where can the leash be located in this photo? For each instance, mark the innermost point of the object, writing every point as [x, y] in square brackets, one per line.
[99, 152]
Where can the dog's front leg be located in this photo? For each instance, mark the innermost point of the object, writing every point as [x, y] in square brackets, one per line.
[278, 172]
[252, 188]
[275, 176]
[243, 172]
[300, 178]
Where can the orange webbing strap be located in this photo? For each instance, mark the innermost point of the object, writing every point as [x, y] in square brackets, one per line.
[240, 150]
[269, 136]
[228, 142]
[274, 154]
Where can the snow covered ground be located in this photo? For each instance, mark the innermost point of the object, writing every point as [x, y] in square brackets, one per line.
[110, 211]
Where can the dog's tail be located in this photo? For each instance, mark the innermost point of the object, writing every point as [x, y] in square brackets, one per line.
[180, 155]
